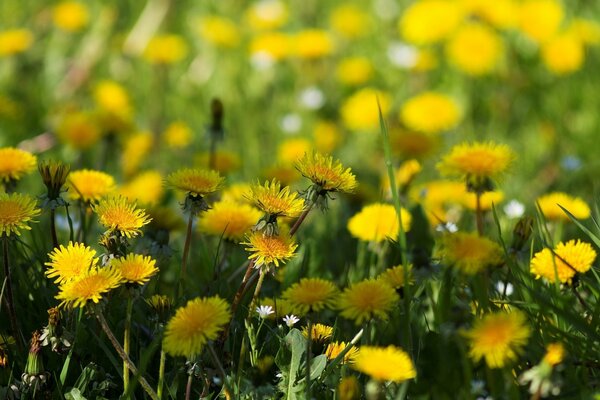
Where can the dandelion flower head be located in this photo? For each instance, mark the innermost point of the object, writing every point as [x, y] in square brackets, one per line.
[135, 268]
[334, 349]
[470, 253]
[385, 363]
[90, 185]
[117, 214]
[71, 262]
[16, 212]
[311, 294]
[378, 221]
[325, 172]
[551, 203]
[196, 181]
[368, 299]
[430, 112]
[90, 285]
[15, 163]
[568, 258]
[267, 250]
[272, 199]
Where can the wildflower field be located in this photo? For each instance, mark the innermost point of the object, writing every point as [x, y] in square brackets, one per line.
[303, 199]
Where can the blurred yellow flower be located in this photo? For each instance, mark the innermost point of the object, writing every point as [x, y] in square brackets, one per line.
[588, 31]
[15, 41]
[135, 151]
[385, 363]
[409, 144]
[120, 216]
[291, 150]
[540, 19]
[325, 172]
[470, 253]
[349, 20]
[319, 332]
[475, 49]
[555, 353]
[334, 349]
[440, 199]
[15, 163]
[177, 135]
[311, 294]
[16, 212]
[91, 285]
[568, 259]
[563, 54]
[501, 14]
[71, 262]
[194, 325]
[146, 188]
[166, 49]
[277, 201]
[354, 70]
[224, 161]
[229, 219]
[199, 182]
[286, 173]
[326, 136]
[312, 43]
[348, 388]
[135, 268]
[377, 222]
[366, 300]
[396, 276]
[430, 112]
[498, 338]
[89, 185]
[113, 98]
[70, 16]
[78, 129]
[430, 21]
[274, 45]
[403, 175]
[549, 205]
[360, 112]
[237, 192]
[486, 200]
[219, 31]
[267, 14]
[270, 250]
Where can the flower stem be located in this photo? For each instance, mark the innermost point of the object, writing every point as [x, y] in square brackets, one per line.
[53, 228]
[126, 342]
[478, 213]
[186, 247]
[9, 299]
[301, 218]
[308, 357]
[261, 278]
[122, 354]
[188, 387]
[220, 369]
[161, 373]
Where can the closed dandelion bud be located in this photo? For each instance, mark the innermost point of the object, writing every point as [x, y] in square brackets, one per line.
[348, 388]
[522, 233]
[373, 390]
[54, 175]
[34, 376]
[160, 305]
[53, 334]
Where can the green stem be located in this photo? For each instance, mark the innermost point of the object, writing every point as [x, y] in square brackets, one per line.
[113, 340]
[301, 218]
[308, 357]
[188, 387]
[70, 221]
[126, 342]
[161, 373]
[220, 369]
[186, 247]
[478, 213]
[53, 228]
[9, 299]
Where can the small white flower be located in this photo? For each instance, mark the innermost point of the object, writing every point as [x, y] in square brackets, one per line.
[312, 98]
[291, 123]
[264, 311]
[514, 209]
[503, 287]
[403, 55]
[449, 227]
[290, 320]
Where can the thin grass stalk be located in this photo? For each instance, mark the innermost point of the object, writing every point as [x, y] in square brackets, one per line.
[53, 228]
[9, 298]
[220, 369]
[113, 340]
[186, 246]
[126, 341]
[188, 387]
[70, 221]
[161, 373]
[478, 213]
[308, 357]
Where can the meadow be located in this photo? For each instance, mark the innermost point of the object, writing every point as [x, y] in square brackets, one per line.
[303, 199]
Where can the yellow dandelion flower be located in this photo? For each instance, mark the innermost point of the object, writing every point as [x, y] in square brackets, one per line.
[112, 98]
[334, 349]
[326, 136]
[354, 71]
[350, 20]
[430, 112]
[291, 150]
[117, 214]
[267, 15]
[89, 185]
[70, 16]
[319, 332]
[469, 252]
[563, 54]
[219, 31]
[15, 41]
[477, 161]
[267, 250]
[430, 21]
[360, 112]
[229, 219]
[555, 353]
[568, 258]
[410, 144]
[14, 163]
[486, 200]
[404, 174]
[135, 268]
[348, 388]
[199, 182]
[91, 285]
[366, 300]
[71, 262]
[166, 49]
[135, 150]
[312, 44]
[498, 338]
[311, 294]
[396, 276]
[586, 30]
[440, 199]
[286, 174]
[377, 222]
[237, 193]
[177, 135]
[540, 19]
[16, 212]
[325, 172]
[501, 14]
[195, 324]
[78, 129]
[385, 363]
[146, 188]
[273, 200]
[549, 204]
[271, 45]
[475, 49]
